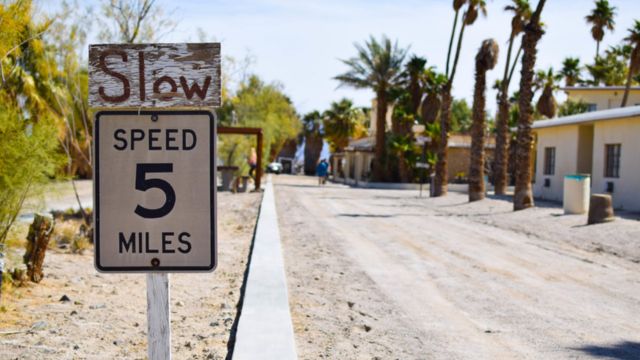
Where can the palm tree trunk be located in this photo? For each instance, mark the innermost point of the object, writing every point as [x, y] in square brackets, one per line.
[442, 170]
[502, 145]
[502, 126]
[523, 197]
[381, 120]
[627, 85]
[597, 49]
[453, 33]
[441, 177]
[476, 168]
[457, 57]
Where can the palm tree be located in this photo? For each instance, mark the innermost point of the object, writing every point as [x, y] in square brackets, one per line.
[523, 197]
[521, 13]
[547, 104]
[414, 71]
[486, 59]
[601, 17]
[312, 131]
[571, 71]
[377, 66]
[634, 62]
[470, 15]
[340, 123]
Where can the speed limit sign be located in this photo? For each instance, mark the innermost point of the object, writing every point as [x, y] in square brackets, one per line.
[155, 191]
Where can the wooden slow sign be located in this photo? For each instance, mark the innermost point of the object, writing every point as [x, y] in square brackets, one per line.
[154, 75]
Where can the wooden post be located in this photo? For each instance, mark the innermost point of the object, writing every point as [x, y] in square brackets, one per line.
[158, 316]
[260, 166]
[248, 131]
[37, 242]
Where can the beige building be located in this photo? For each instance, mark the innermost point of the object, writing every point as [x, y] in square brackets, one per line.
[602, 97]
[604, 144]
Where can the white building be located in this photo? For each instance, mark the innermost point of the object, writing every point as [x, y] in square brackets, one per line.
[603, 143]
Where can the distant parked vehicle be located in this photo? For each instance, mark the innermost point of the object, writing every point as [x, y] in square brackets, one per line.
[274, 168]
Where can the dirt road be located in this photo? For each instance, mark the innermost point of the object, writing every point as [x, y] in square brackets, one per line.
[384, 274]
[104, 315]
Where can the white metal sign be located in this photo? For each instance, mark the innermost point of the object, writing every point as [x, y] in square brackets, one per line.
[155, 191]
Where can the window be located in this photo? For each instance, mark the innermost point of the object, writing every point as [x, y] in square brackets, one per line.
[592, 107]
[612, 161]
[549, 160]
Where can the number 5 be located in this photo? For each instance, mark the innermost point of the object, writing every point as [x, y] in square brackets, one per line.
[144, 184]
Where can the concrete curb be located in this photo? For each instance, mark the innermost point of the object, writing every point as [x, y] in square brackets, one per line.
[265, 330]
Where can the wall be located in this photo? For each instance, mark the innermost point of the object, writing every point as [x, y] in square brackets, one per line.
[565, 140]
[604, 99]
[626, 132]
[460, 159]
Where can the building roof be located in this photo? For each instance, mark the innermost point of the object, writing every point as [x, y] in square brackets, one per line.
[589, 117]
[464, 141]
[455, 141]
[598, 88]
[364, 144]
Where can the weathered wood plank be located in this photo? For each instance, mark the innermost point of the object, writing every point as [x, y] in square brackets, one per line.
[154, 75]
[158, 316]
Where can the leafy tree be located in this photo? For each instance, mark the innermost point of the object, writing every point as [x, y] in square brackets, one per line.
[461, 118]
[521, 13]
[486, 59]
[601, 18]
[261, 105]
[341, 122]
[523, 196]
[572, 107]
[29, 118]
[473, 8]
[611, 69]
[133, 21]
[377, 66]
[571, 71]
[633, 39]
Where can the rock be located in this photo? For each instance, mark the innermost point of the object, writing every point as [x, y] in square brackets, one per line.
[228, 321]
[73, 313]
[367, 328]
[64, 298]
[76, 347]
[188, 345]
[136, 324]
[179, 303]
[600, 209]
[98, 306]
[223, 305]
[350, 303]
[214, 324]
[77, 302]
[39, 325]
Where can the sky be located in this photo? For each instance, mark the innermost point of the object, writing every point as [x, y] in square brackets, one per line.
[299, 43]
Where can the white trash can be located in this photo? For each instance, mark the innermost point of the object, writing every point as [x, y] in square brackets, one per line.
[577, 191]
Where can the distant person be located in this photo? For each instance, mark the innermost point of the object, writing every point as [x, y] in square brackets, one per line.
[322, 170]
[253, 163]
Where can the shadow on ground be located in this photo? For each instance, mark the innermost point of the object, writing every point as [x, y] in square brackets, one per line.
[625, 350]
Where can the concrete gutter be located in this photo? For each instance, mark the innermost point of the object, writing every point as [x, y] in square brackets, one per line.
[265, 330]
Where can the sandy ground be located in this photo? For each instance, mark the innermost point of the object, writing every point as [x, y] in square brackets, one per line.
[377, 274]
[106, 315]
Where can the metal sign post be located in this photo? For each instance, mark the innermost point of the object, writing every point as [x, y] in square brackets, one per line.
[154, 171]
